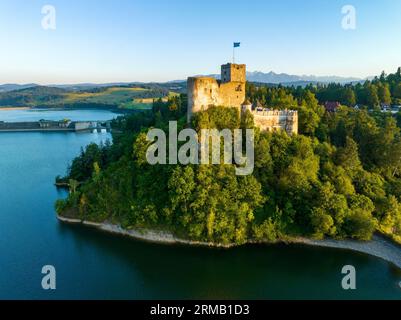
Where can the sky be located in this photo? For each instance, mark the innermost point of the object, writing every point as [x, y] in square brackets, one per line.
[159, 40]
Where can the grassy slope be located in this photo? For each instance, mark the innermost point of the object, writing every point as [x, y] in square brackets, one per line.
[121, 97]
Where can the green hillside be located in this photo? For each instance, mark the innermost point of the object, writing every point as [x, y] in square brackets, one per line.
[123, 97]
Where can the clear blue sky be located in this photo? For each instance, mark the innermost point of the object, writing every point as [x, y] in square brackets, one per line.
[158, 40]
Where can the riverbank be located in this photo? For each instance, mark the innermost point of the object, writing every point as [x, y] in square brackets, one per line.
[14, 108]
[379, 246]
[114, 109]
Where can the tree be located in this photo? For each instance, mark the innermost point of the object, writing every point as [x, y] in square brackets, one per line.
[339, 178]
[372, 97]
[308, 121]
[181, 185]
[349, 98]
[329, 211]
[370, 184]
[348, 157]
[309, 114]
[73, 184]
[390, 215]
[384, 93]
[397, 91]
[266, 231]
[322, 223]
[359, 223]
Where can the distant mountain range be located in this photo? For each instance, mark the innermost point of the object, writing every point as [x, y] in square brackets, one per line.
[289, 79]
[255, 76]
[284, 78]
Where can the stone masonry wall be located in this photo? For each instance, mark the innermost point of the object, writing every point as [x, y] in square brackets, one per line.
[205, 92]
[275, 120]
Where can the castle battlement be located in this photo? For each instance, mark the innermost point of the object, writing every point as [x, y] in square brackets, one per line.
[275, 120]
[274, 113]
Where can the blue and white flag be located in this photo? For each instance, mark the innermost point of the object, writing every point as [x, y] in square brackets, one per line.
[237, 44]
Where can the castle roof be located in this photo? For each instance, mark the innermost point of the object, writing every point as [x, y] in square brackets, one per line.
[257, 104]
[233, 64]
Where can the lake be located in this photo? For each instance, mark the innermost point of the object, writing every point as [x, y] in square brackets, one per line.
[95, 265]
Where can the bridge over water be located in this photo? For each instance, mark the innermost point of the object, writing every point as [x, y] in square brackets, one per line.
[52, 126]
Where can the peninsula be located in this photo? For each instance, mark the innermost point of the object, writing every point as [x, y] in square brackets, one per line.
[320, 172]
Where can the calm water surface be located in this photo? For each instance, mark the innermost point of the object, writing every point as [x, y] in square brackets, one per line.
[91, 264]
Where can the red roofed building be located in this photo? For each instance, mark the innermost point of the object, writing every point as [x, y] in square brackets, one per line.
[331, 106]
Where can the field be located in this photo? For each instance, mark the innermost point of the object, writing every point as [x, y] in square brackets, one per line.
[124, 97]
[131, 96]
[144, 103]
[113, 95]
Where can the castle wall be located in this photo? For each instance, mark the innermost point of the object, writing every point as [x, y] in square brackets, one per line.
[275, 120]
[204, 92]
[232, 94]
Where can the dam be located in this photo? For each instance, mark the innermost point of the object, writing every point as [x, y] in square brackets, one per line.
[56, 126]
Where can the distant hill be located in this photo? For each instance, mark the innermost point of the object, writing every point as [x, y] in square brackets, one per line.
[88, 86]
[31, 96]
[101, 95]
[11, 86]
[180, 85]
[93, 96]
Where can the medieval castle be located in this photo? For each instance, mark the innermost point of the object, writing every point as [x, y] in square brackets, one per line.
[204, 92]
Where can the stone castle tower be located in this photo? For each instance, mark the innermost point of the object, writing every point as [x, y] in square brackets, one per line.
[204, 92]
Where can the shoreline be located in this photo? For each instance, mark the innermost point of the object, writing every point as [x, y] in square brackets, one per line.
[115, 110]
[14, 108]
[160, 237]
[378, 247]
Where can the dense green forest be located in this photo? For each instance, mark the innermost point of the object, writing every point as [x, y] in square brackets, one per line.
[385, 89]
[340, 177]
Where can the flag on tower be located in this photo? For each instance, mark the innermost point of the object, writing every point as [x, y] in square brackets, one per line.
[237, 44]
